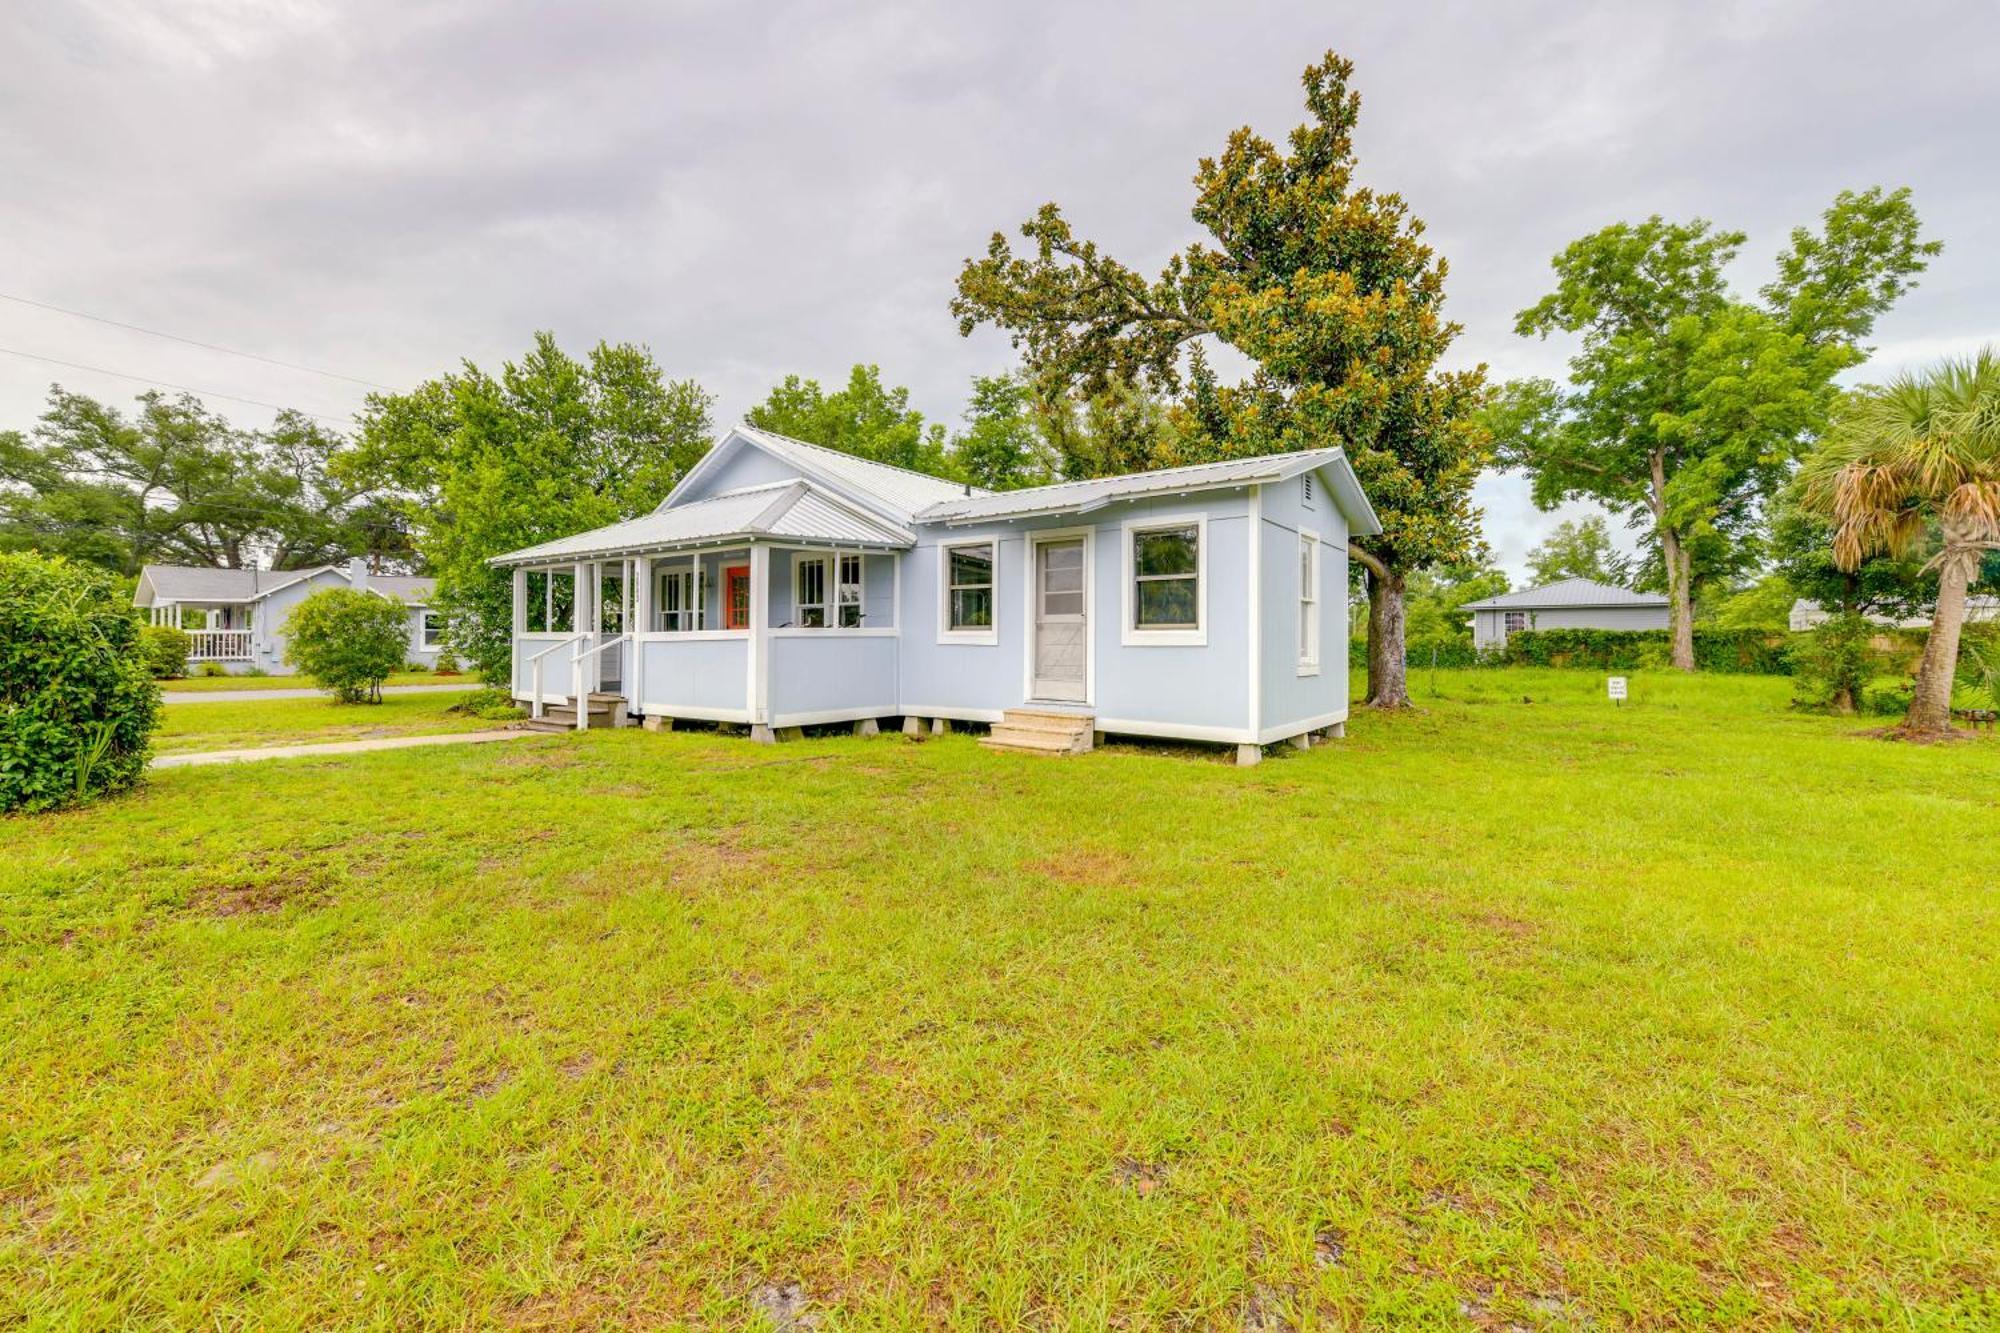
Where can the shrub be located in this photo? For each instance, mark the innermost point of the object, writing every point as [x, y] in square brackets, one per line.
[492, 703]
[347, 641]
[1888, 700]
[78, 702]
[416, 668]
[166, 650]
[447, 665]
[211, 671]
[1833, 664]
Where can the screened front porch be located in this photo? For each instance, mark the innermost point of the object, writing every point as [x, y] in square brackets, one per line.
[759, 634]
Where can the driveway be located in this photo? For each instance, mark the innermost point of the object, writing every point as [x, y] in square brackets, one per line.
[252, 696]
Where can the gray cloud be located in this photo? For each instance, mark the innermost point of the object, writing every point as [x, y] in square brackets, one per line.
[383, 189]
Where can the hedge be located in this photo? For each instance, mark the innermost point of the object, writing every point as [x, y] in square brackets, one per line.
[1739, 652]
[78, 702]
[1753, 652]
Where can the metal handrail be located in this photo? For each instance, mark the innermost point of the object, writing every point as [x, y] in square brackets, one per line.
[576, 678]
[535, 662]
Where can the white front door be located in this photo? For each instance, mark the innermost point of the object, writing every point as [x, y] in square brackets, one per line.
[1062, 629]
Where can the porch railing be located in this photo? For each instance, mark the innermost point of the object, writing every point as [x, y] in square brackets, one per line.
[218, 645]
[535, 672]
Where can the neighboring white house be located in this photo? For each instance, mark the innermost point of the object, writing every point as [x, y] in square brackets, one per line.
[1564, 604]
[236, 617]
[1811, 615]
[783, 585]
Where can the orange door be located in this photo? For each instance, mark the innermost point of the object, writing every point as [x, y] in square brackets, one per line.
[736, 597]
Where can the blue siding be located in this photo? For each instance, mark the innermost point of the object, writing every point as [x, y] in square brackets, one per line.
[696, 676]
[1288, 697]
[745, 467]
[813, 675]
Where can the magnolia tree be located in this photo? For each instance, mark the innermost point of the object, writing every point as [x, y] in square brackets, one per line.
[1326, 287]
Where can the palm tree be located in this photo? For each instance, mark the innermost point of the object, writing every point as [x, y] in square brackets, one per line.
[1919, 453]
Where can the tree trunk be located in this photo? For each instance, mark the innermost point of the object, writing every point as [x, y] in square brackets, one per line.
[1388, 674]
[1930, 706]
[1680, 597]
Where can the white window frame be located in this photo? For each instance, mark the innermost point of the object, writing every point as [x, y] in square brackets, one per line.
[1507, 625]
[684, 577]
[840, 585]
[1309, 621]
[1129, 634]
[945, 633]
[426, 640]
[800, 561]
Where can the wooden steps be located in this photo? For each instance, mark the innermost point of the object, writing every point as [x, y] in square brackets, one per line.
[602, 710]
[1041, 731]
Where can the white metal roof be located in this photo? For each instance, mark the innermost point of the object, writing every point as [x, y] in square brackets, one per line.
[795, 510]
[1567, 592]
[898, 492]
[1077, 497]
[198, 583]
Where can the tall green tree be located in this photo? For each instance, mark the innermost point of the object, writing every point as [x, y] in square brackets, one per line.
[864, 417]
[1687, 406]
[1329, 291]
[176, 483]
[1002, 446]
[550, 446]
[1579, 548]
[1917, 455]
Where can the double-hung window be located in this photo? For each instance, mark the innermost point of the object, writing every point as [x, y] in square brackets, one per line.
[809, 592]
[847, 592]
[826, 591]
[676, 605]
[1512, 621]
[1308, 603]
[1166, 597]
[433, 633]
[967, 585]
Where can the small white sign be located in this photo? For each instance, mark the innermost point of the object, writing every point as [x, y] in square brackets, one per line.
[1615, 687]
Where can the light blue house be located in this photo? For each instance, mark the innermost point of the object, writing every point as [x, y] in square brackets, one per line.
[235, 618]
[782, 585]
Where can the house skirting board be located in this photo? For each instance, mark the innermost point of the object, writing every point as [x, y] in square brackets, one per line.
[825, 716]
[695, 714]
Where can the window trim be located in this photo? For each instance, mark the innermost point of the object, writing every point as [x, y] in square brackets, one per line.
[1312, 615]
[800, 559]
[1507, 625]
[426, 641]
[1129, 633]
[684, 575]
[945, 633]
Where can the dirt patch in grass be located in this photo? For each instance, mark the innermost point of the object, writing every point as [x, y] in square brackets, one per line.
[1086, 865]
[269, 884]
[1501, 923]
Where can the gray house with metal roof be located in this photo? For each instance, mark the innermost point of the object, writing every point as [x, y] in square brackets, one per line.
[1564, 604]
[784, 585]
[236, 617]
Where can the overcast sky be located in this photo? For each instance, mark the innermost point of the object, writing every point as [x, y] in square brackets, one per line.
[381, 189]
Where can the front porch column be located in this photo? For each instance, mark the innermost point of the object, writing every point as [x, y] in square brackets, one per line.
[520, 600]
[642, 621]
[760, 637]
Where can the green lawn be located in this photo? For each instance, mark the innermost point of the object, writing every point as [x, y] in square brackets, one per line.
[1519, 1009]
[228, 726]
[209, 684]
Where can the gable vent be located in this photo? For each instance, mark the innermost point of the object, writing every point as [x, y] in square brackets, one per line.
[1309, 488]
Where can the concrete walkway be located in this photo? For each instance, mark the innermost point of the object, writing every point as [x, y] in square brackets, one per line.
[196, 757]
[252, 696]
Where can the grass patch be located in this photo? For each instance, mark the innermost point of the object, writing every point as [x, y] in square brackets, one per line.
[213, 684]
[240, 725]
[1498, 1012]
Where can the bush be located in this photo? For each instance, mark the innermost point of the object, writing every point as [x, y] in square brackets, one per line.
[416, 668]
[447, 665]
[491, 703]
[1889, 700]
[78, 702]
[166, 650]
[347, 641]
[1833, 664]
[211, 671]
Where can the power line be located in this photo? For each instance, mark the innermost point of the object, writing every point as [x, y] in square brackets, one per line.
[195, 342]
[179, 388]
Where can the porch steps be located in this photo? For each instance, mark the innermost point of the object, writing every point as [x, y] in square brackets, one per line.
[1035, 731]
[603, 710]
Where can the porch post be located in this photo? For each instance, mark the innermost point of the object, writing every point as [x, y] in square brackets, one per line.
[758, 686]
[520, 600]
[642, 621]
